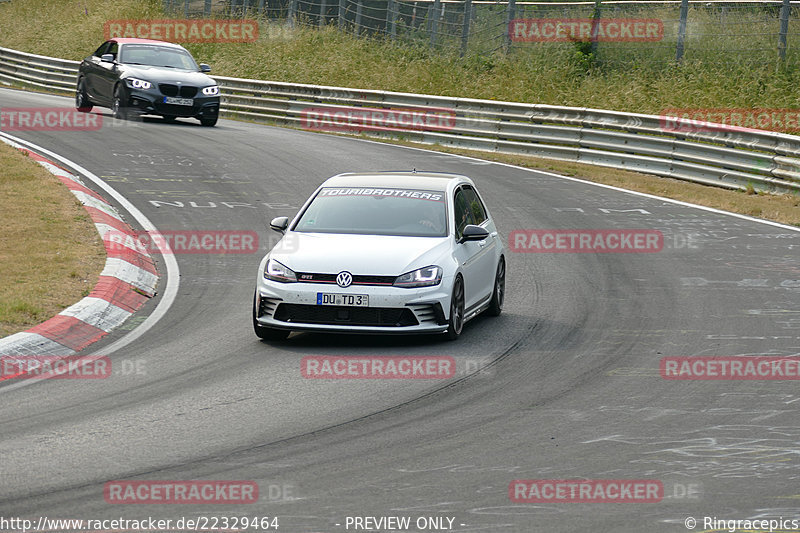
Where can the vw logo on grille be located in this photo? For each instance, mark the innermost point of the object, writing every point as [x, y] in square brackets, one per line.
[344, 279]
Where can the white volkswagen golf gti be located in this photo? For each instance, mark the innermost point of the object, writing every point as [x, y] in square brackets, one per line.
[383, 252]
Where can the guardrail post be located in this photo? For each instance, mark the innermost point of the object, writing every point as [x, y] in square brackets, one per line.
[292, 13]
[785, 9]
[682, 30]
[391, 19]
[260, 7]
[207, 7]
[465, 28]
[342, 13]
[510, 14]
[186, 9]
[595, 26]
[359, 9]
[434, 21]
[323, 7]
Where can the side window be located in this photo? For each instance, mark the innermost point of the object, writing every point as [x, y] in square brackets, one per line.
[102, 50]
[112, 49]
[475, 206]
[461, 212]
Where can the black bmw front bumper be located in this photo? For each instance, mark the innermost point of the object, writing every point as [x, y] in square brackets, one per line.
[153, 102]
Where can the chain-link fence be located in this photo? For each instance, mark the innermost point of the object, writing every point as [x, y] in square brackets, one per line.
[597, 32]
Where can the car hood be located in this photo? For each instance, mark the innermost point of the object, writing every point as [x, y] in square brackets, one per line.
[167, 75]
[377, 255]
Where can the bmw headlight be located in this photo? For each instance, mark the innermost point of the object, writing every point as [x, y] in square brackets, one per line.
[211, 91]
[275, 271]
[423, 277]
[136, 83]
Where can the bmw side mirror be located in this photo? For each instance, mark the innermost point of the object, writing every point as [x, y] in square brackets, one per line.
[107, 58]
[204, 68]
[279, 224]
[473, 233]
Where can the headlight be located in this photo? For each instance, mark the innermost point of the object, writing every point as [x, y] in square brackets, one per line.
[423, 277]
[211, 91]
[278, 272]
[137, 83]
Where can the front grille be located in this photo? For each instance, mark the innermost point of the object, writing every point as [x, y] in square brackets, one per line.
[346, 316]
[313, 277]
[184, 91]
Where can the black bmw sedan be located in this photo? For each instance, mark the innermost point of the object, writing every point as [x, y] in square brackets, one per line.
[147, 77]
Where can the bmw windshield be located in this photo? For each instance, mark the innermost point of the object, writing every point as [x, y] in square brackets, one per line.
[157, 56]
[376, 211]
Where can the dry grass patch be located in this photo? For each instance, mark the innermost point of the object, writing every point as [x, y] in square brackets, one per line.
[50, 252]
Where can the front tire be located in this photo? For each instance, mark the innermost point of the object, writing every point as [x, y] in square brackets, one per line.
[265, 333]
[82, 102]
[499, 291]
[456, 321]
[209, 122]
[118, 107]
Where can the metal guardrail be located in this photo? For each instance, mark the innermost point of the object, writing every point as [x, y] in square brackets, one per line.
[767, 161]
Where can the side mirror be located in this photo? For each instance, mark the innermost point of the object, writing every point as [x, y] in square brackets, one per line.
[473, 233]
[279, 224]
[107, 58]
[204, 68]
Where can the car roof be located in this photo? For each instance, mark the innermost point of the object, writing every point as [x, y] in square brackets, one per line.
[434, 181]
[132, 40]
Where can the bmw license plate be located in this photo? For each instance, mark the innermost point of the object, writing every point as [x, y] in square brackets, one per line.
[350, 300]
[178, 101]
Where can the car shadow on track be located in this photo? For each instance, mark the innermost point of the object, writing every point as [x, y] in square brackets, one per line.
[473, 336]
[110, 122]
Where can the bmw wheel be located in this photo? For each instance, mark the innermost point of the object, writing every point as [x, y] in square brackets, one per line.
[82, 102]
[209, 121]
[118, 107]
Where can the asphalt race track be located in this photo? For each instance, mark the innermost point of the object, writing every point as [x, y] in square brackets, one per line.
[573, 390]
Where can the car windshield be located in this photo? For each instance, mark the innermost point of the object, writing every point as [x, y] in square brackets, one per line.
[157, 56]
[376, 211]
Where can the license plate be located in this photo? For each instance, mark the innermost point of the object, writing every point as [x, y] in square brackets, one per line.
[350, 300]
[178, 101]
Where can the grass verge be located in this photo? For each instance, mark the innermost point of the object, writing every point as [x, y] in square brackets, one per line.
[50, 252]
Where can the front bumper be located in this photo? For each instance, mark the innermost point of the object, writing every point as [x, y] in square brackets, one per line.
[392, 310]
[151, 102]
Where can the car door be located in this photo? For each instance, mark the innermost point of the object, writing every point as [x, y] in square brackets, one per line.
[91, 69]
[107, 75]
[475, 257]
[487, 262]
